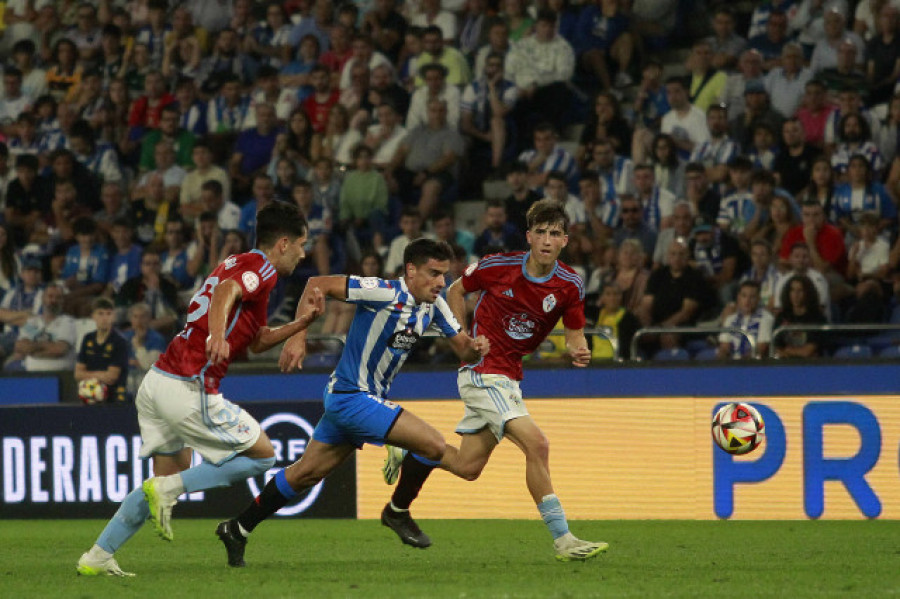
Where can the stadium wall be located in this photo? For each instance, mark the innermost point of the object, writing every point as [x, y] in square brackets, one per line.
[626, 442]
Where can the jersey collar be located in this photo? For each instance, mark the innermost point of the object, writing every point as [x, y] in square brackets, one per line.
[264, 257]
[412, 300]
[535, 279]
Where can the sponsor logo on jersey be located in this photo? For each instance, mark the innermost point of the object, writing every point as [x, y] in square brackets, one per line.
[549, 302]
[403, 340]
[251, 281]
[368, 283]
[519, 326]
[230, 261]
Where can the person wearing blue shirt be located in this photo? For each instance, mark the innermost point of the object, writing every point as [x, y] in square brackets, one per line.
[176, 256]
[86, 269]
[391, 316]
[263, 195]
[126, 261]
[253, 148]
[859, 195]
[601, 34]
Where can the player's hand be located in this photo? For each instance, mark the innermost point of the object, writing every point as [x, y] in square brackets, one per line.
[314, 306]
[293, 353]
[481, 345]
[581, 356]
[217, 349]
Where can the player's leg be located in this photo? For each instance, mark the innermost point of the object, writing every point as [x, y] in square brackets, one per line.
[528, 437]
[319, 460]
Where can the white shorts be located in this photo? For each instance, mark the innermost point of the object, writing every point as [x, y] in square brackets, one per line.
[491, 401]
[174, 413]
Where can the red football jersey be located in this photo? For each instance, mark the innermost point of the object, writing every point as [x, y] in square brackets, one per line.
[516, 312]
[186, 354]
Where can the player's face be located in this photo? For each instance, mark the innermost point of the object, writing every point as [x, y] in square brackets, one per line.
[291, 254]
[546, 242]
[426, 282]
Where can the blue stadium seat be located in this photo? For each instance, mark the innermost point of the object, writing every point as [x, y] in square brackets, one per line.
[677, 354]
[892, 351]
[696, 345]
[883, 340]
[708, 353]
[324, 361]
[895, 315]
[853, 352]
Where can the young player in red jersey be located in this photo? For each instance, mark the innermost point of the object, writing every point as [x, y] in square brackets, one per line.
[179, 405]
[522, 296]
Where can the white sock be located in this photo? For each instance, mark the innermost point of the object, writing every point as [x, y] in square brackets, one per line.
[396, 509]
[99, 553]
[171, 485]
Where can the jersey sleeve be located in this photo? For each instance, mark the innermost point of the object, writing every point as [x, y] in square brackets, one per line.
[475, 277]
[573, 318]
[444, 322]
[255, 275]
[369, 291]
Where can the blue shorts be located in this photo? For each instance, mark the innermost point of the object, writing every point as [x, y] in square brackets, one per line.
[356, 418]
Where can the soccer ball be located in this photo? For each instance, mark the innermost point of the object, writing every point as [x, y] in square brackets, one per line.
[91, 391]
[738, 428]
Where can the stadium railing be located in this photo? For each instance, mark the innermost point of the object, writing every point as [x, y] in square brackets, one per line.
[690, 331]
[890, 334]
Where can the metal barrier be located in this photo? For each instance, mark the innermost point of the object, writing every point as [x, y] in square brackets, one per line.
[689, 331]
[830, 328]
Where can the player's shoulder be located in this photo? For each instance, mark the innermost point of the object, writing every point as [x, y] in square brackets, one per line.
[498, 261]
[569, 277]
[252, 261]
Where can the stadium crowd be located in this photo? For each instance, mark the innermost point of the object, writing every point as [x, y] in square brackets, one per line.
[753, 185]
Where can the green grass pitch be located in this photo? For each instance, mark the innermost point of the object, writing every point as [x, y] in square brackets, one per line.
[470, 558]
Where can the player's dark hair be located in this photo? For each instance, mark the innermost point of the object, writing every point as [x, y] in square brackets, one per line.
[421, 250]
[278, 220]
[547, 212]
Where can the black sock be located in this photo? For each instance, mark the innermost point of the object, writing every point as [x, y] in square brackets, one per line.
[264, 505]
[413, 474]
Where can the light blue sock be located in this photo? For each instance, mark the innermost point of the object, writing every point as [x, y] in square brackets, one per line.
[209, 476]
[127, 520]
[553, 515]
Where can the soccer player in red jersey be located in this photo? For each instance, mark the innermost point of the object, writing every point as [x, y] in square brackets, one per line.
[522, 295]
[179, 405]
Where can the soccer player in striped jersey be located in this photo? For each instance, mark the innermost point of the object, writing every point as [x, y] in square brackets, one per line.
[522, 295]
[179, 405]
[390, 317]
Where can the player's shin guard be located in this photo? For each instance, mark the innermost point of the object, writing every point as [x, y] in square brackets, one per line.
[275, 495]
[209, 476]
[128, 519]
[413, 473]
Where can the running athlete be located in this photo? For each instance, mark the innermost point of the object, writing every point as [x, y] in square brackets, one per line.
[390, 317]
[179, 405]
[522, 296]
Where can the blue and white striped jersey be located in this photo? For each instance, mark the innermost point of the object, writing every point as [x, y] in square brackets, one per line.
[386, 327]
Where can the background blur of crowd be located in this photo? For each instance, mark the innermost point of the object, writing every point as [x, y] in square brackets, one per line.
[721, 162]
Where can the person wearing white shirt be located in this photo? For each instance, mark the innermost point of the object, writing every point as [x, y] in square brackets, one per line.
[684, 122]
[801, 264]
[786, 84]
[751, 318]
[435, 87]
[47, 342]
[386, 135]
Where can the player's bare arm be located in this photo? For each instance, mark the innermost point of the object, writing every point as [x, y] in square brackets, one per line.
[577, 346]
[333, 286]
[225, 296]
[268, 337]
[468, 349]
[456, 299]
[107, 377]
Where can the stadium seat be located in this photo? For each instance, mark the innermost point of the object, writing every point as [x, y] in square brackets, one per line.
[883, 340]
[324, 361]
[892, 351]
[708, 353]
[677, 354]
[895, 315]
[853, 352]
[696, 345]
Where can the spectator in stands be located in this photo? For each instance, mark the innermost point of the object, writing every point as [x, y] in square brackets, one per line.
[668, 168]
[268, 42]
[87, 267]
[485, 105]
[125, 261]
[715, 254]
[323, 97]
[103, 355]
[24, 200]
[715, 153]
[23, 138]
[432, 17]
[150, 213]
[498, 235]
[815, 113]
[887, 133]
[793, 164]
[737, 208]
[14, 101]
[233, 243]
[521, 196]
[785, 83]
[427, 160]
[170, 173]
[705, 200]
[547, 156]
[801, 307]
[633, 225]
[363, 203]
[629, 274]
[650, 104]
[113, 207]
[557, 189]
[19, 303]
[64, 168]
[326, 184]
[146, 111]
[602, 37]
[253, 148]
[750, 68]
[99, 159]
[771, 43]
[868, 264]
[826, 51]
[444, 225]
[191, 205]
[47, 341]
[800, 263]
[656, 202]
[436, 87]
[64, 73]
[541, 66]
[882, 56]
[298, 141]
[757, 110]
[207, 241]
[364, 53]
[604, 122]
[860, 194]
[846, 73]
[762, 151]
[227, 110]
[320, 219]
[855, 139]
[384, 89]
[227, 60]
[263, 195]
[498, 42]
[602, 213]
[675, 294]
[34, 79]
[685, 123]
[616, 173]
[153, 34]
[706, 82]
[726, 45]
[340, 137]
[762, 271]
[386, 27]
[410, 228]
[175, 258]
[750, 317]
[384, 137]
[145, 345]
[614, 316]
[168, 130]
[155, 290]
[226, 213]
[474, 25]
[782, 219]
[437, 51]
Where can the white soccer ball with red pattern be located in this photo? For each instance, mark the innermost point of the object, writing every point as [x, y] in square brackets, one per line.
[738, 428]
[91, 391]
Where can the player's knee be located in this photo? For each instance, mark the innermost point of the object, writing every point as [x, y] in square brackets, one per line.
[539, 447]
[434, 448]
[472, 470]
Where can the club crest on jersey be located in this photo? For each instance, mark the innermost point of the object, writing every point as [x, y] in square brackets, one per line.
[403, 340]
[251, 281]
[230, 261]
[549, 302]
[519, 326]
